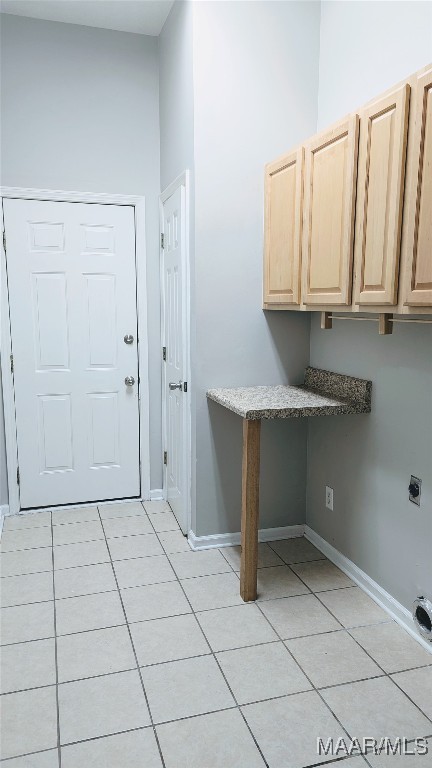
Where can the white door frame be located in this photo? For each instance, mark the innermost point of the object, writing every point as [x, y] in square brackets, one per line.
[182, 182]
[61, 196]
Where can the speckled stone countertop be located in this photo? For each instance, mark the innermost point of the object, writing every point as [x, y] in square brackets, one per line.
[323, 394]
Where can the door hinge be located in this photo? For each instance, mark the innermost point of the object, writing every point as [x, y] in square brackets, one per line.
[163, 353]
[185, 386]
[165, 458]
[162, 240]
[11, 363]
[4, 240]
[18, 476]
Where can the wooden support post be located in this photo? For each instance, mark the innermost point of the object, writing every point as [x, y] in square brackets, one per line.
[250, 509]
[326, 320]
[385, 326]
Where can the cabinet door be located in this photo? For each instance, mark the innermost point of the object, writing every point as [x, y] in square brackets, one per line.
[328, 226]
[418, 207]
[282, 250]
[380, 188]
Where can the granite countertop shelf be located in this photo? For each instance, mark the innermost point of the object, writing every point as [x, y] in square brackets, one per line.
[323, 393]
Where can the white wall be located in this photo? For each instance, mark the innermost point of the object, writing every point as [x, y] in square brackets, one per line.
[365, 48]
[176, 95]
[176, 109]
[80, 111]
[255, 92]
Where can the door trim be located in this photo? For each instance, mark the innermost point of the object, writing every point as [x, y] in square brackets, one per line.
[182, 182]
[61, 196]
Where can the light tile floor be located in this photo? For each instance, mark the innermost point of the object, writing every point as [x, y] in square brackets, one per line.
[122, 648]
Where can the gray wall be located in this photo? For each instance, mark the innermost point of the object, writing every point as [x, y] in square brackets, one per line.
[255, 87]
[80, 112]
[3, 477]
[176, 97]
[176, 109]
[365, 48]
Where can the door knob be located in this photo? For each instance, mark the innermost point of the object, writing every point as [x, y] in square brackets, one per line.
[128, 339]
[129, 381]
[173, 385]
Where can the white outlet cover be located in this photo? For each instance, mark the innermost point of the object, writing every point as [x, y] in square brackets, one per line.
[329, 497]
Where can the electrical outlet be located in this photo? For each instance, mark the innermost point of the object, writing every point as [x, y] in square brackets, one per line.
[414, 490]
[329, 497]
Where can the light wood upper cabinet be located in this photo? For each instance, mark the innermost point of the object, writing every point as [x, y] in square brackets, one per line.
[418, 205]
[328, 226]
[348, 217]
[283, 220]
[380, 191]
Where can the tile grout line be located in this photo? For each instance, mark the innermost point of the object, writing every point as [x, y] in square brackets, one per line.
[22, 527]
[55, 510]
[80, 741]
[218, 573]
[276, 541]
[407, 695]
[86, 541]
[213, 654]
[133, 649]
[342, 628]
[311, 682]
[387, 674]
[108, 736]
[66, 597]
[224, 650]
[314, 689]
[185, 578]
[239, 545]
[55, 650]
[195, 656]
[30, 573]
[5, 760]
[144, 728]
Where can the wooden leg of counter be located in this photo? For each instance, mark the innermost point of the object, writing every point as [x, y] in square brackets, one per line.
[250, 509]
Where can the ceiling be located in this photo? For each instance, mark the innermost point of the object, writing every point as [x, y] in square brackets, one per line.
[145, 17]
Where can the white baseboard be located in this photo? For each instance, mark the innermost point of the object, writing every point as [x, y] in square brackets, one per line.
[233, 539]
[396, 610]
[157, 494]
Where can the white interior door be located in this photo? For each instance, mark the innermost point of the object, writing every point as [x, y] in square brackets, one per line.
[72, 293]
[174, 331]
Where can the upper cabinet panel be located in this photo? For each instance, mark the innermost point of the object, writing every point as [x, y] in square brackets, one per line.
[380, 188]
[418, 205]
[328, 228]
[282, 251]
[348, 217]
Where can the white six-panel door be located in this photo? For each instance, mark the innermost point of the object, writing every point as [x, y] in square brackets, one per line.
[72, 294]
[174, 329]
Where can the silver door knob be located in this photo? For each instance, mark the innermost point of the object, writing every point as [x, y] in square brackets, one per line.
[128, 339]
[129, 381]
[173, 385]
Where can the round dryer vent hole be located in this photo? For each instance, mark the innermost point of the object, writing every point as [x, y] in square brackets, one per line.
[422, 615]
